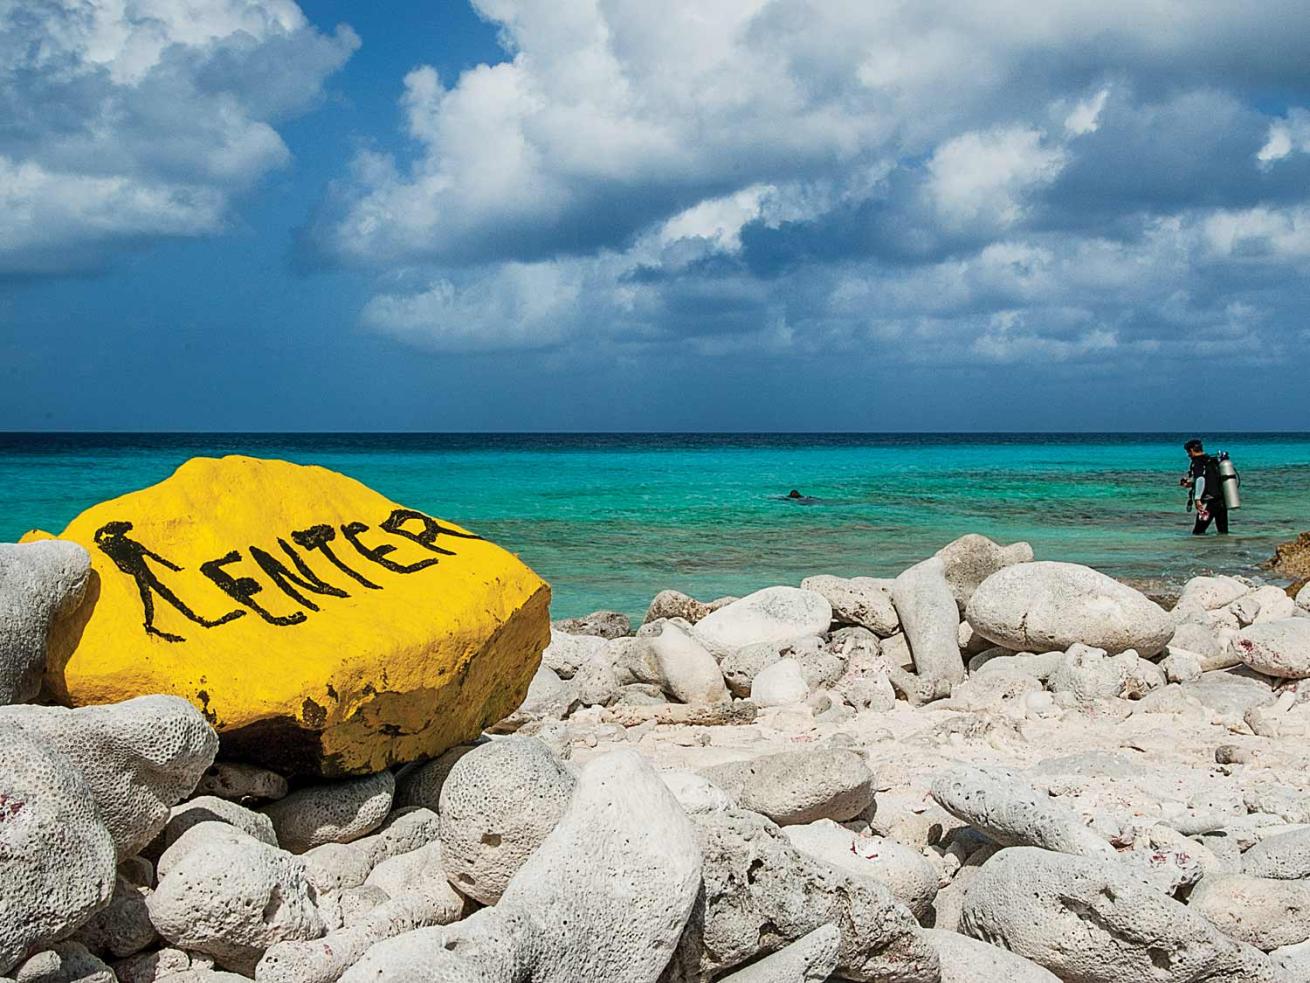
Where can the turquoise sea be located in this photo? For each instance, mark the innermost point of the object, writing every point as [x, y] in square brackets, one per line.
[610, 519]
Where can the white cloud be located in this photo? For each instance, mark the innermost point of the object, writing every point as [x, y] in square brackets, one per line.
[1267, 233]
[838, 176]
[1286, 136]
[127, 120]
[1086, 116]
[980, 179]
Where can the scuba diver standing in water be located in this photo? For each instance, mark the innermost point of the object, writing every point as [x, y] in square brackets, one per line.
[1213, 484]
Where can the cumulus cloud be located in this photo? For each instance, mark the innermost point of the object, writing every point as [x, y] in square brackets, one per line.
[1007, 181]
[1288, 135]
[129, 120]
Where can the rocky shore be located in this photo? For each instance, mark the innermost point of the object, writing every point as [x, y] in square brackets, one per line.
[991, 767]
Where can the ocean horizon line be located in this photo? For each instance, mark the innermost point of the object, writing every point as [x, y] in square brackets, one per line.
[5, 433]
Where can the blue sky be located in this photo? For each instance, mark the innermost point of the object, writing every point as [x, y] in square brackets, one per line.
[947, 215]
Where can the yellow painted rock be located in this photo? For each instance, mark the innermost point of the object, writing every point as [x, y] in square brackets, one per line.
[321, 628]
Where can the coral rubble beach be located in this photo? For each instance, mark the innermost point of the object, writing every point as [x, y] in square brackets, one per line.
[991, 767]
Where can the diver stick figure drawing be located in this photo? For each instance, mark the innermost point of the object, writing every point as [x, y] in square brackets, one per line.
[130, 557]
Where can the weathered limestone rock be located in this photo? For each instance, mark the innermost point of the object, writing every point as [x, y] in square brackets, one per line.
[966, 960]
[333, 813]
[862, 601]
[604, 899]
[931, 622]
[64, 962]
[1211, 593]
[696, 793]
[675, 604]
[692, 715]
[1092, 920]
[1087, 674]
[1202, 640]
[596, 682]
[779, 684]
[123, 927]
[775, 614]
[1042, 606]
[760, 894]
[995, 691]
[604, 624]
[810, 959]
[865, 683]
[1014, 814]
[688, 670]
[1262, 912]
[1285, 856]
[902, 870]
[421, 785]
[971, 559]
[498, 804]
[741, 666]
[56, 857]
[39, 583]
[139, 757]
[1181, 666]
[414, 895]
[1041, 665]
[212, 809]
[1228, 693]
[255, 589]
[1276, 648]
[150, 967]
[567, 652]
[224, 893]
[798, 786]
[548, 698]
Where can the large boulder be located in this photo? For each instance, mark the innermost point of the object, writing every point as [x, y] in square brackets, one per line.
[335, 812]
[1012, 813]
[798, 786]
[775, 614]
[140, 757]
[604, 899]
[39, 583]
[760, 894]
[689, 672]
[1042, 606]
[972, 558]
[1094, 920]
[56, 856]
[1264, 912]
[931, 622]
[901, 869]
[321, 628]
[416, 896]
[1285, 856]
[65, 962]
[498, 804]
[226, 894]
[862, 601]
[1276, 648]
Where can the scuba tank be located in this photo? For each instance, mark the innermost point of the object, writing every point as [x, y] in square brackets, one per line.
[1229, 481]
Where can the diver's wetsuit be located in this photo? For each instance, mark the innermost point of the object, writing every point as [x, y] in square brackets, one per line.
[1208, 488]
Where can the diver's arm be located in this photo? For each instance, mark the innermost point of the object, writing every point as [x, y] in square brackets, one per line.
[1198, 487]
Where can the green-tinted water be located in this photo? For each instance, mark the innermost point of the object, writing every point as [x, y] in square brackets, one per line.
[609, 519]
